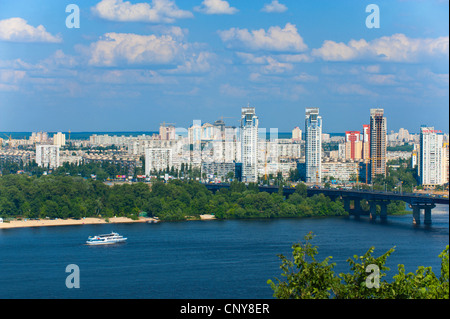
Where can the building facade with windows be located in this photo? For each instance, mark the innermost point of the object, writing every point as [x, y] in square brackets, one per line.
[47, 156]
[431, 157]
[249, 144]
[378, 127]
[313, 146]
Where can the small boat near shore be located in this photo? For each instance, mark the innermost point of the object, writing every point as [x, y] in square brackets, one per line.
[106, 239]
[153, 221]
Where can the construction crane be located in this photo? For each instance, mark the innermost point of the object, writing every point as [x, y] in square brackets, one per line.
[9, 138]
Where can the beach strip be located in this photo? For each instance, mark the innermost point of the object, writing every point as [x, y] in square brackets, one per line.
[69, 222]
[83, 221]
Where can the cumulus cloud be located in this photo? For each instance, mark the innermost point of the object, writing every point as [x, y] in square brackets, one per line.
[274, 7]
[216, 7]
[159, 11]
[126, 48]
[275, 39]
[350, 89]
[18, 30]
[194, 63]
[11, 76]
[250, 58]
[395, 48]
[169, 53]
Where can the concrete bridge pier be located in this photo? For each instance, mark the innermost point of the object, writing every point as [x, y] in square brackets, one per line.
[373, 210]
[383, 212]
[346, 204]
[356, 210]
[416, 214]
[427, 213]
[357, 206]
[427, 220]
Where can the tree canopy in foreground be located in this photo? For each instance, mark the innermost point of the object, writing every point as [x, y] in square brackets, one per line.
[307, 278]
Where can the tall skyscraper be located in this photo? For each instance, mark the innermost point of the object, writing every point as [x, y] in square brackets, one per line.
[313, 147]
[249, 144]
[377, 143]
[366, 142]
[431, 156]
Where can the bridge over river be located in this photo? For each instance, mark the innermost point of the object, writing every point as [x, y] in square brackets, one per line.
[417, 202]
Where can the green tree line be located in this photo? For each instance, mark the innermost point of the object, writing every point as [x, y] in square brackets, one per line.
[60, 196]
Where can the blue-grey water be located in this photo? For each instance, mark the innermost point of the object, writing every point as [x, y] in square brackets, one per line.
[200, 259]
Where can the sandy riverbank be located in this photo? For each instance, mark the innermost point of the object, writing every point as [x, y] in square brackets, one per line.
[85, 221]
[67, 222]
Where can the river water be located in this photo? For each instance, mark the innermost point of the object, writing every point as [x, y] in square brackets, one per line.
[201, 259]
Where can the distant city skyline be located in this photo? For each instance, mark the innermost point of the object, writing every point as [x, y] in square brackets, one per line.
[132, 65]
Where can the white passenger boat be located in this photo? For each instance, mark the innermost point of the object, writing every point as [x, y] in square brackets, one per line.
[106, 239]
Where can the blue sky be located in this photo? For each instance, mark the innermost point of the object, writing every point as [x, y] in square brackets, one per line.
[134, 64]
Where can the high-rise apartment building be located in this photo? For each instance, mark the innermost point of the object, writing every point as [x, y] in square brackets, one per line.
[366, 142]
[249, 144]
[431, 156]
[313, 146]
[167, 132]
[297, 134]
[59, 139]
[157, 159]
[353, 145]
[378, 145]
[445, 163]
[47, 156]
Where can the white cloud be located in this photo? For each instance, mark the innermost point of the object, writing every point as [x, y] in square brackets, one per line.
[275, 39]
[295, 58]
[194, 63]
[170, 54]
[126, 76]
[61, 60]
[126, 48]
[276, 67]
[11, 76]
[395, 48]
[250, 58]
[305, 77]
[159, 11]
[216, 7]
[233, 91]
[274, 6]
[350, 89]
[18, 30]
[382, 79]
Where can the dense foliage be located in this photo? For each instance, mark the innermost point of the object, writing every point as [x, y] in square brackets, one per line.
[75, 197]
[307, 278]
